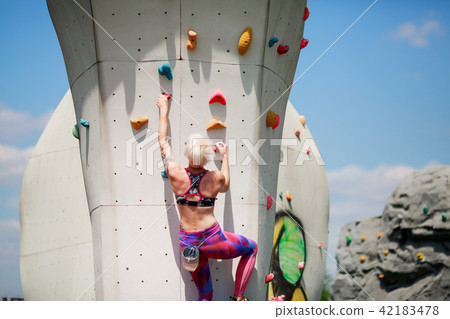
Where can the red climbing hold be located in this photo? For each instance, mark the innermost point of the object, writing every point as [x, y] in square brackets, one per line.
[269, 202]
[306, 14]
[269, 278]
[282, 49]
[279, 298]
[304, 43]
[277, 122]
[320, 244]
[168, 95]
[308, 150]
[218, 97]
[301, 265]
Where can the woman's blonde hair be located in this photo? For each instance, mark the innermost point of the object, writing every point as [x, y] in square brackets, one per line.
[198, 149]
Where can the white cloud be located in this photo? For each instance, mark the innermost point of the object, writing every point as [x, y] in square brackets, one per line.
[418, 34]
[18, 126]
[13, 162]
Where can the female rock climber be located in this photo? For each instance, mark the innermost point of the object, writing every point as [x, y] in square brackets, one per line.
[195, 191]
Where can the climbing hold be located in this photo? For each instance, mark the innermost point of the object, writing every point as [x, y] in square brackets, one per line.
[381, 276]
[306, 14]
[192, 43]
[279, 298]
[302, 120]
[297, 132]
[218, 97]
[444, 217]
[277, 121]
[280, 195]
[425, 209]
[76, 131]
[308, 150]
[400, 216]
[167, 95]
[320, 244]
[288, 196]
[85, 123]
[304, 43]
[363, 238]
[301, 265]
[215, 124]
[420, 256]
[386, 252]
[164, 174]
[273, 41]
[166, 70]
[362, 259]
[282, 49]
[269, 278]
[380, 235]
[271, 118]
[245, 40]
[138, 122]
[349, 239]
[269, 202]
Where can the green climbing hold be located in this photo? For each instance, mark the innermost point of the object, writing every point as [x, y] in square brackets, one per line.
[349, 239]
[425, 209]
[444, 217]
[281, 195]
[76, 131]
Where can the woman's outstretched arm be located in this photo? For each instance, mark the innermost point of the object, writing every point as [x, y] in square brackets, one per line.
[225, 170]
[164, 146]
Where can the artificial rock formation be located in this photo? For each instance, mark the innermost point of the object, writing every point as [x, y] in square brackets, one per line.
[411, 260]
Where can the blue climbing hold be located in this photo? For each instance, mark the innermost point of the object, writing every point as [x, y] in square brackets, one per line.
[273, 41]
[164, 174]
[166, 70]
[84, 123]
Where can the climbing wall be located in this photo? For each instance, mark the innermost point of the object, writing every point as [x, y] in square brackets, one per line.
[113, 69]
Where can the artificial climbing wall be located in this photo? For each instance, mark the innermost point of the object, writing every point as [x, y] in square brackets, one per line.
[112, 67]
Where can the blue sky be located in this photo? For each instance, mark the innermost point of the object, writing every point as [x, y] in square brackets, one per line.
[377, 103]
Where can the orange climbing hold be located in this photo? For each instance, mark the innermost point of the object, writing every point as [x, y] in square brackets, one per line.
[192, 43]
[138, 122]
[218, 97]
[362, 259]
[304, 43]
[269, 202]
[283, 49]
[386, 252]
[271, 118]
[269, 278]
[381, 276]
[245, 40]
[306, 14]
[380, 235]
[420, 256]
[288, 196]
[302, 120]
[297, 132]
[213, 124]
[363, 238]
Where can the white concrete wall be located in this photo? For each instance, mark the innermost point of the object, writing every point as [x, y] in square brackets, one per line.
[135, 240]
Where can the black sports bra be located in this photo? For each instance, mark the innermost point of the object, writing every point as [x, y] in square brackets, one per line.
[194, 189]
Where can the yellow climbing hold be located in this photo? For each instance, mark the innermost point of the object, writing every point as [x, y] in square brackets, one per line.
[380, 235]
[138, 122]
[192, 43]
[420, 256]
[381, 276]
[245, 40]
[386, 252]
[302, 120]
[215, 124]
[271, 118]
[362, 259]
[363, 238]
[288, 196]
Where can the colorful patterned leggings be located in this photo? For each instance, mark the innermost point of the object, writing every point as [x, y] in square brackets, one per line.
[217, 244]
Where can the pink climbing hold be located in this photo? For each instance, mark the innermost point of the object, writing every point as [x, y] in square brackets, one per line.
[269, 202]
[269, 278]
[306, 14]
[282, 49]
[218, 97]
[301, 265]
[320, 244]
[167, 95]
[277, 122]
[279, 298]
[304, 43]
[308, 150]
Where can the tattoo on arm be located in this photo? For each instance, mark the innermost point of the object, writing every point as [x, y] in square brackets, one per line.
[166, 155]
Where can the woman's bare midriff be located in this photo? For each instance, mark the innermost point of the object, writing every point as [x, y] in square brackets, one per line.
[193, 218]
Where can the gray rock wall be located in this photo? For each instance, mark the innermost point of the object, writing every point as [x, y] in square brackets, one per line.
[405, 253]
